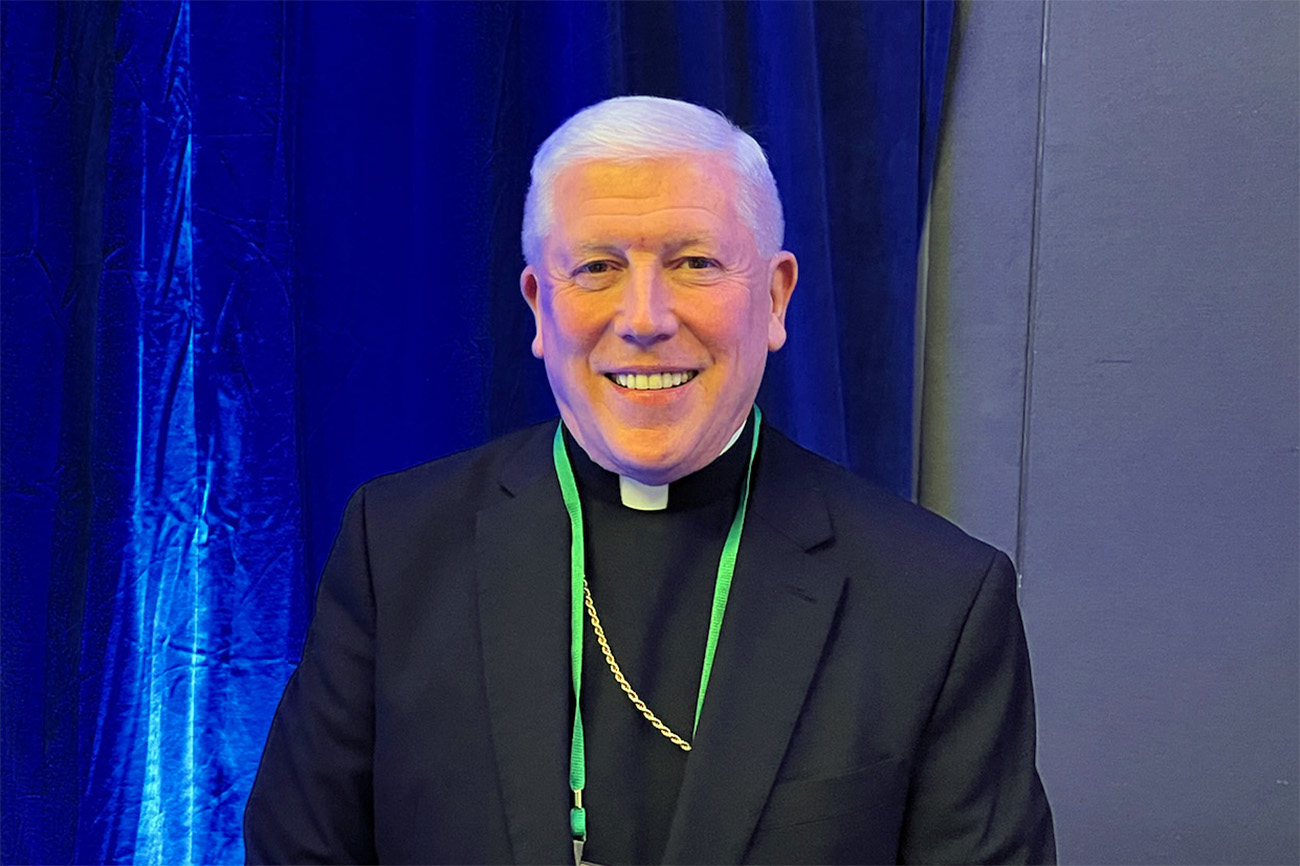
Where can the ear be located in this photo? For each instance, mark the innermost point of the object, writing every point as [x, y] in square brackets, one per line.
[530, 287]
[784, 275]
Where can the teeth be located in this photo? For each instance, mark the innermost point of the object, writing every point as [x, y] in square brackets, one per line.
[652, 381]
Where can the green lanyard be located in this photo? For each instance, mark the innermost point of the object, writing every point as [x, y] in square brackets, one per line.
[577, 568]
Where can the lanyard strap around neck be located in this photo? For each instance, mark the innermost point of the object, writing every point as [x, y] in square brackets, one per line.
[577, 573]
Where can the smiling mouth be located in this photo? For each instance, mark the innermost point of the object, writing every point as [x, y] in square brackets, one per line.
[651, 381]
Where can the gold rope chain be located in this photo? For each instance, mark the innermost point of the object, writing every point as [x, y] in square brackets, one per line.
[618, 674]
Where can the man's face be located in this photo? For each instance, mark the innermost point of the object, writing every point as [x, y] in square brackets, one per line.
[655, 311]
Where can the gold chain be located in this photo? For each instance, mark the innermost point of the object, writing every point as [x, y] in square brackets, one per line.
[618, 674]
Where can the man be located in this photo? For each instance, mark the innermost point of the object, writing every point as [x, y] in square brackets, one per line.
[660, 632]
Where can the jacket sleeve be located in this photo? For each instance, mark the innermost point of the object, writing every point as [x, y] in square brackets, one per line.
[312, 799]
[975, 795]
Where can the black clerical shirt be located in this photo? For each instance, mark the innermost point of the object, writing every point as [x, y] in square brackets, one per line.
[651, 575]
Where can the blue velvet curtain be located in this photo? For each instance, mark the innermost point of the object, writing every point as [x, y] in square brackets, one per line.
[256, 253]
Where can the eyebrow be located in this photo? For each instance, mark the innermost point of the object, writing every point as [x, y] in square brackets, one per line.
[672, 245]
[681, 243]
[587, 248]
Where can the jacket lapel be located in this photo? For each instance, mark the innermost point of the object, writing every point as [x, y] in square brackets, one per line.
[780, 610]
[522, 557]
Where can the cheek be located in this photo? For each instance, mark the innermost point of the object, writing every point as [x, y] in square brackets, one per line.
[576, 327]
[737, 329]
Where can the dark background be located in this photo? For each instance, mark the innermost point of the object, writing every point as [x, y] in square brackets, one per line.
[256, 253]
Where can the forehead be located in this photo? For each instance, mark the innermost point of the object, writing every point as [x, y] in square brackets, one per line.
[687, 192]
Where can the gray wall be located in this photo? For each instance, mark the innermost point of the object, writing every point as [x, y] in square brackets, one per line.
[1112, 391]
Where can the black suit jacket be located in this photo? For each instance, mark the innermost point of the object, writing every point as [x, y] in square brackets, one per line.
[870, 699]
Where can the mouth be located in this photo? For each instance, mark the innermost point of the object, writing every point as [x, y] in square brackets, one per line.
[651, 381]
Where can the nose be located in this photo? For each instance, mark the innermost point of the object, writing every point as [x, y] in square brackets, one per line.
[645, 314]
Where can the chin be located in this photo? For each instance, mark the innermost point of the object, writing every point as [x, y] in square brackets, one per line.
[654, 463]
[653, 467]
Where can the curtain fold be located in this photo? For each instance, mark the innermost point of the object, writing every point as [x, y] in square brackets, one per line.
[255, 253]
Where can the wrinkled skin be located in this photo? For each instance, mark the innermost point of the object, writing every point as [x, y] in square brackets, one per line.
[648, 269]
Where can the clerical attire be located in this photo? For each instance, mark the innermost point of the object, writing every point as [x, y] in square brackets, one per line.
[652, 575]
[869, 702]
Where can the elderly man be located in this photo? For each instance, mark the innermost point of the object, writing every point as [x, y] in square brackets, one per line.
[658, 631]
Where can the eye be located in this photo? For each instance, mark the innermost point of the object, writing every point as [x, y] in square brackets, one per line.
[698, 263]
[598, 274]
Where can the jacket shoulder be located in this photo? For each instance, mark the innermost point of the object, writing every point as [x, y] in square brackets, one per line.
[878, 525]
[463, 481]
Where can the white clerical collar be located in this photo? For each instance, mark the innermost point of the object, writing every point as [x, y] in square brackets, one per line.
[654, 497]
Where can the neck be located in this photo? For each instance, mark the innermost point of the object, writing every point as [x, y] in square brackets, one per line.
[654, 497]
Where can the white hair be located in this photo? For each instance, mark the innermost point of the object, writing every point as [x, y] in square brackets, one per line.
[628, 128]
